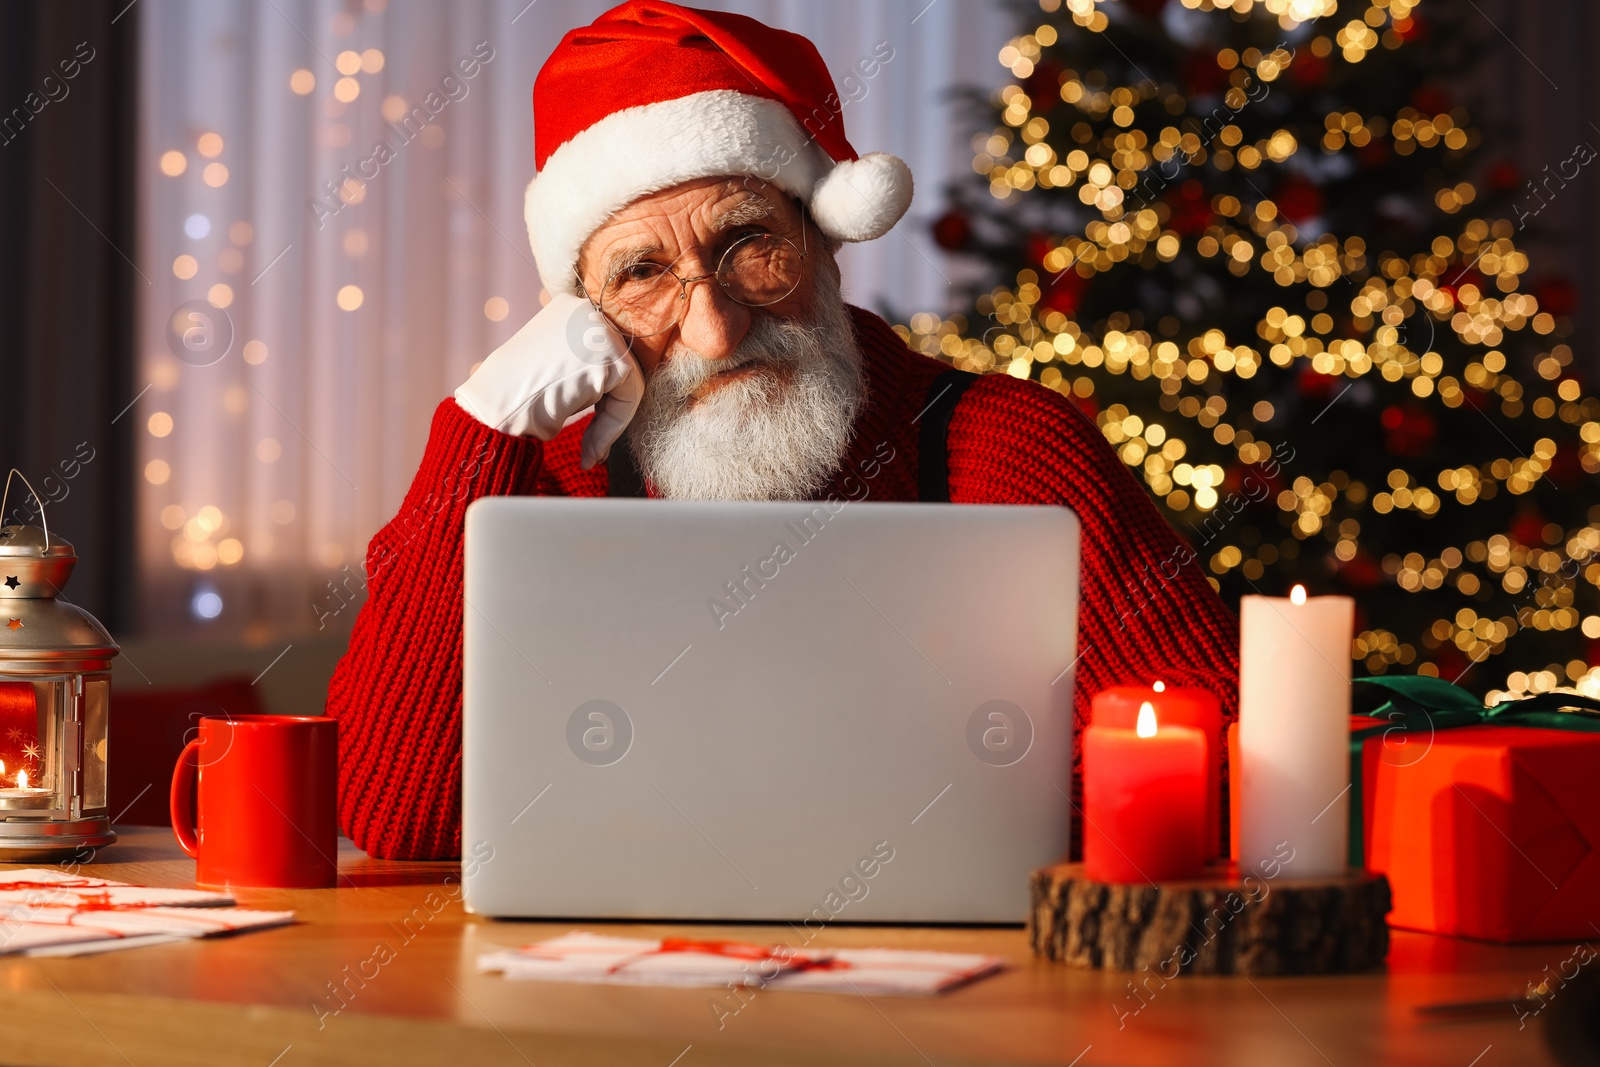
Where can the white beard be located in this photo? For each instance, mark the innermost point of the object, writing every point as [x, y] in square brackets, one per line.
[777, 434]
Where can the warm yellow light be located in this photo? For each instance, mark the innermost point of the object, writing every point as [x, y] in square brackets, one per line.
[220, 295]
[230, 551]
[215, 175]
[1160, 687]
[1146, 726]
[302, 81]
[174, 163]
[350, 297]
[160, 424]
[1297, 595]
[210, 145]
[156, 472]
[371, 61]
[346, 90]
[348, 62]
[255, 352]
[184, 267]
[496, 308]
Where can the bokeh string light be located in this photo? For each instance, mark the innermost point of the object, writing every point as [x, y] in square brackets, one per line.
[1186, 288]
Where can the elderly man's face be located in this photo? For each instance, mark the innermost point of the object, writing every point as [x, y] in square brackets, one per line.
[741, 402]
[687, 228]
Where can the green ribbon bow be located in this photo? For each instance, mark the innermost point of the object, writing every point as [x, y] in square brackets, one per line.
[1408, 703]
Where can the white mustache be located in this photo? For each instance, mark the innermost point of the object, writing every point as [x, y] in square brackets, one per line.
[770, 344]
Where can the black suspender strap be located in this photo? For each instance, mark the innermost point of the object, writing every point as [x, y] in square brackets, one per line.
[933, 449]
[622, 473]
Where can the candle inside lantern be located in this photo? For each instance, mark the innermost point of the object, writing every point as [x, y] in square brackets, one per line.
[1294, 743]
[1144, 800]
[1175, 706]
[23, 795]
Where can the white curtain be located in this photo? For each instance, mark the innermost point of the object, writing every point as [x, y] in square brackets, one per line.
[267, 461]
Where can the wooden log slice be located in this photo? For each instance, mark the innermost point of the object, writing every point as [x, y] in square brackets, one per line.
[1220, 924]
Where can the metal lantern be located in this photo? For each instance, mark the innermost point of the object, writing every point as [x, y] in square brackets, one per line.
[55, 697]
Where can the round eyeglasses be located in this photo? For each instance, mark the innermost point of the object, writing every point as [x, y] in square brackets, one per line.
[644, 299]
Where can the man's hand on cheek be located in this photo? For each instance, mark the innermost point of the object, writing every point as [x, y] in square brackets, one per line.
[565, 359]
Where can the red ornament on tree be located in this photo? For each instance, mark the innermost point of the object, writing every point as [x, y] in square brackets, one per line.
[952, 231]
[1190, 212]
[1556, 295]
[1039, 246]
[1063, 290]
[1299, 199]
[1408, 430]
[1361, 572]
[1528, 527]
[1043, 86]
[1375, 153]
[1503, 177]
[1316, 386]
[1451, 662]
[1202, 76]
[1431, 100]
[1309, 70]
[1566, 471]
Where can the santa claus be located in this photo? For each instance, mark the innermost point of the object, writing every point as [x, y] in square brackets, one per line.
[693, 186]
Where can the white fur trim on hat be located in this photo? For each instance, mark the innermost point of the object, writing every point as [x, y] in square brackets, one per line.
[641, 150]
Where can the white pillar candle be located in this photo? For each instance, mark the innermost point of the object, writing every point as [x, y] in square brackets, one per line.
[1294, 734]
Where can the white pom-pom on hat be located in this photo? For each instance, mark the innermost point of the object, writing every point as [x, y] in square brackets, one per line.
[861, 199]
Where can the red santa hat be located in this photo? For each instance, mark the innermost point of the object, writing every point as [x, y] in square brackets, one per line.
[653, 94]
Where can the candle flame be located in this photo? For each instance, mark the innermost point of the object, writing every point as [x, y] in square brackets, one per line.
[1147, 720]
[22, 777]
[1297, 595]
[1160, 687]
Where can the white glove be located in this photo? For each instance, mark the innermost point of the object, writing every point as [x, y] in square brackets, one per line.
[565, 359]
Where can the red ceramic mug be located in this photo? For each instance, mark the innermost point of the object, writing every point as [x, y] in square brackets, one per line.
[266, 789]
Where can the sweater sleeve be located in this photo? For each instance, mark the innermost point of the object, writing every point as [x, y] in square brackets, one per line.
[1145, 609]
[397, 691]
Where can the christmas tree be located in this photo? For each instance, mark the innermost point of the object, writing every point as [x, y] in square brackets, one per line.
[1262, 245]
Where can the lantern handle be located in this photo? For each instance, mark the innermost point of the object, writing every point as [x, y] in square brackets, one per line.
[6, 495]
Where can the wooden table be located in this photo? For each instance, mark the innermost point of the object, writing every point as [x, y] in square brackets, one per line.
[268, 999]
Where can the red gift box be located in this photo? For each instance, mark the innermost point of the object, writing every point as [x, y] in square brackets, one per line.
[1486, 831]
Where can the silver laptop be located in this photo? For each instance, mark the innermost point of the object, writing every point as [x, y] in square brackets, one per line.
[816, 713]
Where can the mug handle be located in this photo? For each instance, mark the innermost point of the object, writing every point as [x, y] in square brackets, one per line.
[182, 802]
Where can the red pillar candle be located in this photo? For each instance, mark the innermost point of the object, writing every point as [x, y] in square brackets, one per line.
[1119, 706]
[1144, 797]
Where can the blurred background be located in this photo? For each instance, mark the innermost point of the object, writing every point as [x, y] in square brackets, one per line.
[249, 246]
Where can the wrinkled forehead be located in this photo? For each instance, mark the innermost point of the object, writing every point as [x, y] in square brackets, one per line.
[692, 213]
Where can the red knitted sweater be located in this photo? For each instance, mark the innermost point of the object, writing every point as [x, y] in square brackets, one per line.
[1146, 610]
